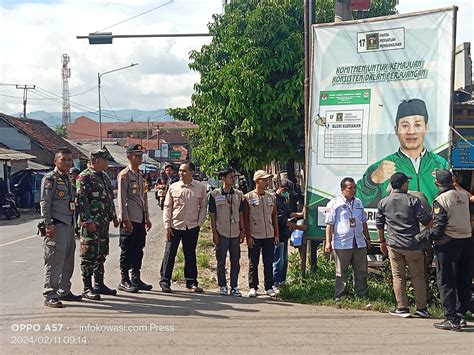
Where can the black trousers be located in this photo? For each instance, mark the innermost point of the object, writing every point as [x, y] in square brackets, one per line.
[266, 247]
[454, 279]
[189, 237]
[231, 245]
[132, 247]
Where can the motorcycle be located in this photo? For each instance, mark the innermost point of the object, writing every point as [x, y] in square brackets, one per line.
[8, 206]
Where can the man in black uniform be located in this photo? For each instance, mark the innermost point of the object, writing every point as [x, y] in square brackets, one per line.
[451, 234]
[134, 220]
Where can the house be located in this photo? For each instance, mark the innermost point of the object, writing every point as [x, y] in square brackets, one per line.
[11, 161]
[36, 138]
[148, 134]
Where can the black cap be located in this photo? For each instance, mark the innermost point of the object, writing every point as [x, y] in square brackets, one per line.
[136, 149]
[288, 186]
[413, 107]
[398, 179]
[443, 176]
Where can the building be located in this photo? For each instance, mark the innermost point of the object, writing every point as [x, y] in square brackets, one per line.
[36, 138]
[173, 144]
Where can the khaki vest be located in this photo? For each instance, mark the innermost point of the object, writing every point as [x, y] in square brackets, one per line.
[261, 208]
[227, 212]
[456, 205]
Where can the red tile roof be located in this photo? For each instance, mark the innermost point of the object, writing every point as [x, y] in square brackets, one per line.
[38, 131]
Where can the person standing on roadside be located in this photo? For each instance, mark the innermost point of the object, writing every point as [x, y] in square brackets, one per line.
[280, 255]
[57, 211]
[134, 220]
[261, 230]
[226, 209]
[347, 236]
[452, 236]
[96, 209]
[183, 214]
[402, 213]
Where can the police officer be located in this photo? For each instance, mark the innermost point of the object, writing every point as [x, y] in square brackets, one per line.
[452, 233]
[134, 219]
[261, 229]
[95, 203]
[57, 208]
[226, 209]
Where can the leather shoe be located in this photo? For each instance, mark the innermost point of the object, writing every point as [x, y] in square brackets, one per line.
[165, 288]
[70, 297]
[53, 303]
[91, 295]
[127, 287]
[194, 288]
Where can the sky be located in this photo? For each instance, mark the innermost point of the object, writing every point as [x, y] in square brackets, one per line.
[34, 34]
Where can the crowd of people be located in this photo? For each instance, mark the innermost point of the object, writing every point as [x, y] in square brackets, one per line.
[258, 217]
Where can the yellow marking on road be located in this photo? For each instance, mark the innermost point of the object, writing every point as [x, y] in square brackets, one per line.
[19, 240]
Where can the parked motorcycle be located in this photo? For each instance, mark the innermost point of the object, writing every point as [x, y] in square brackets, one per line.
[8, 206]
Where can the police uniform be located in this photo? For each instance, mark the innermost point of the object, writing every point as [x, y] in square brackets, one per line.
[227, 207]
[452, 233]
[57, 208]
[133, 206]
[95, 203]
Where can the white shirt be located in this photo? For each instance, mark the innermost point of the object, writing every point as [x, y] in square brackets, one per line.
[338, 212]
[415, 161]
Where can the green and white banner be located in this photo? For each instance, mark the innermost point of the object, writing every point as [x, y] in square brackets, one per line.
[380, 104]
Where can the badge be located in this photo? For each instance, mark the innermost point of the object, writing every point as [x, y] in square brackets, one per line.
[220, 198]
[269, 199]
[134, 191]
[254, 201]
[48, 184]
[352, 221]
[61, 193]
[436, 210]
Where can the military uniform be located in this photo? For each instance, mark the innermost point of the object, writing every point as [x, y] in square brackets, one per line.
[57, 208]
[95, 202]
[133, 207]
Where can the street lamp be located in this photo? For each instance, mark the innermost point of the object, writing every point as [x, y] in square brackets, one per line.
[99, 76]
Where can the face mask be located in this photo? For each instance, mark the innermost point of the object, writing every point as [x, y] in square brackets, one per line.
[285, 194]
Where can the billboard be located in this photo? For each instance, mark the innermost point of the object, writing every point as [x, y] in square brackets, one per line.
[380, 104]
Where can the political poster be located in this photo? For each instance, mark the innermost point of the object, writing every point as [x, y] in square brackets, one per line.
[380, 104]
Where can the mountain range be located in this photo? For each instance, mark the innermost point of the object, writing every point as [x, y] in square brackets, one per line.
[54, 119]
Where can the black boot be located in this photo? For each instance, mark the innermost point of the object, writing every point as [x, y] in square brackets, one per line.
[100, 287]
[88, 290]
[126, 285]
[136, 281]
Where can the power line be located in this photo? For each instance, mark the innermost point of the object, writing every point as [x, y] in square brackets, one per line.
[143, 13]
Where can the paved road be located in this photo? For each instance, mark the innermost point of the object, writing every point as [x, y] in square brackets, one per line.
[182, 322]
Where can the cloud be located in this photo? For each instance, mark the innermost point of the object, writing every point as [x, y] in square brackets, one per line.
[35, 34]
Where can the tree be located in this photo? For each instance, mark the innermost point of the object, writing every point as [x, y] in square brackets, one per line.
[61, 131]
[249, 103]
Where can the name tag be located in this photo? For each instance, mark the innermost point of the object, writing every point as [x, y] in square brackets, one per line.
[254, 201]
[96, 193]
[72, 206]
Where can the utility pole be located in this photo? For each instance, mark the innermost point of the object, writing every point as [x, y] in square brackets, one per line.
[309, 7]
[65, 75]
[343, 11]
[25, 89]
[147, 134]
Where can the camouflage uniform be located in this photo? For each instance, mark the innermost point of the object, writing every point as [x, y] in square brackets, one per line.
[95, 204]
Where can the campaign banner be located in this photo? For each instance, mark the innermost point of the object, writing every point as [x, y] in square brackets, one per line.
[380, 104]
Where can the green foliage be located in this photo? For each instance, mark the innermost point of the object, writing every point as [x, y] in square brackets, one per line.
[249, 103]
[61, 131]
[318, 288]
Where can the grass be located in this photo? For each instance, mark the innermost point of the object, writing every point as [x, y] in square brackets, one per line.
[318, 288]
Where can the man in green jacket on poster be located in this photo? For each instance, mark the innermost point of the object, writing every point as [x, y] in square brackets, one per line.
[412, 158]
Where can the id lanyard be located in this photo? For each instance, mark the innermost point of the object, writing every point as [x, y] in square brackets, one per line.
[352, 220]
[229, 202]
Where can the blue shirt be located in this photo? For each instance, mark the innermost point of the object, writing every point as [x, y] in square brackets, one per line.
[338, 214]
